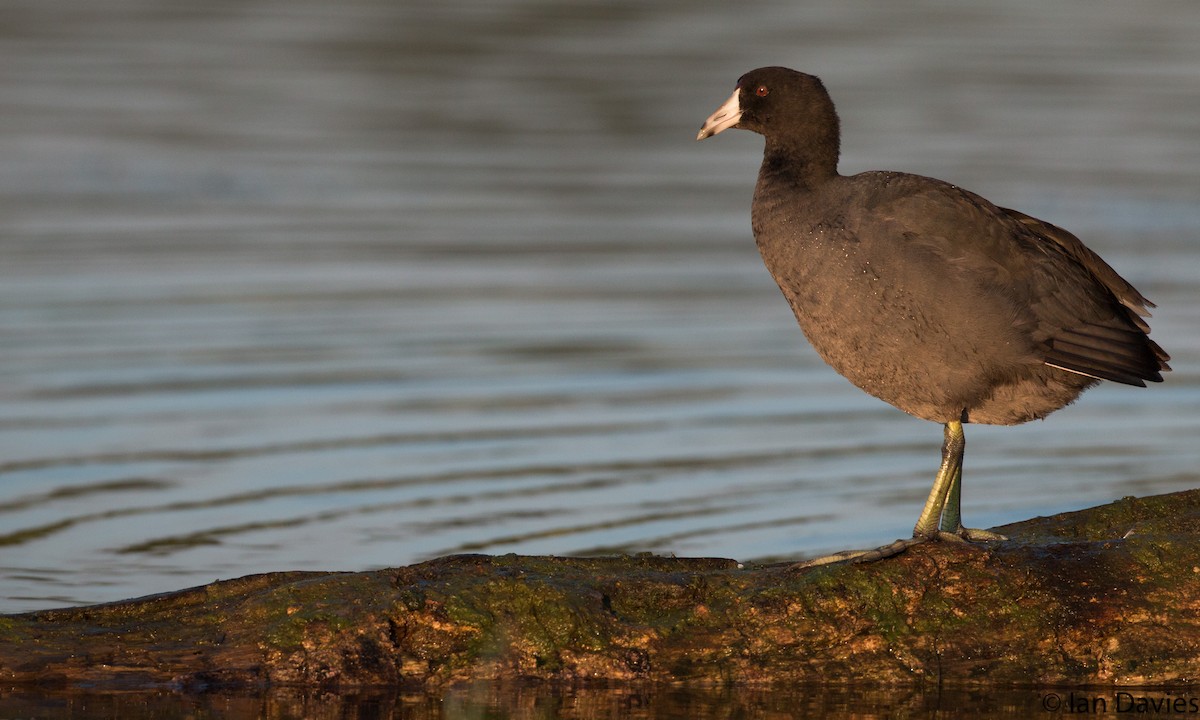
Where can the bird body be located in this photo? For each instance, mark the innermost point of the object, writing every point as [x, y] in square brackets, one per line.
[926, 295]
[947, 317]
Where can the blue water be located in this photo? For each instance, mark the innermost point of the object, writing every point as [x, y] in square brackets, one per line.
[344, 286]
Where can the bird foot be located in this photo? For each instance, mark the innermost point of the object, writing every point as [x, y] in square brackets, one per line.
[962, 535]
[976, 535]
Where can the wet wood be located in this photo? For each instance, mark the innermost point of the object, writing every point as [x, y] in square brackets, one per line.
[1106, 596]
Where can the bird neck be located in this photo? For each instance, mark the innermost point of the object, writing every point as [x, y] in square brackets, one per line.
[801, 164]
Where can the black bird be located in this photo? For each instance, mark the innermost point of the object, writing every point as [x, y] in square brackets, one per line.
[926, 295]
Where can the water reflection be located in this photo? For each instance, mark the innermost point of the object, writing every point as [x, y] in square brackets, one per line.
[487, 701]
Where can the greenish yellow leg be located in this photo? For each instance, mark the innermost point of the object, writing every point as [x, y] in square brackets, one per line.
[951, 521]
[940, 519]
[952, 454]
[952, 511]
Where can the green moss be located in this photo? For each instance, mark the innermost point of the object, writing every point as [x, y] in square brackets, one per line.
[296, 612]
[537, 618]
[1166, 513]
[8, 629]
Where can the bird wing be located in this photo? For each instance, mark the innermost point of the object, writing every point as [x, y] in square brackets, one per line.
[1110, 341]
[1127, 294]
[1075, 310]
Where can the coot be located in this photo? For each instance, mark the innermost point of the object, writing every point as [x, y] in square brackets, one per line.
[926, 295]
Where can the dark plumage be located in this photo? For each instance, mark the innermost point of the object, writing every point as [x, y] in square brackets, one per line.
[926, 295]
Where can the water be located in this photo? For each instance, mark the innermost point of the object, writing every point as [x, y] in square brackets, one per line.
[290, 284]
[486, 701]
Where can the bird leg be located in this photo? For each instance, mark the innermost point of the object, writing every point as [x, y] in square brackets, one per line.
[941, 519]
[951, 510]
[947, 482]
[952, 517]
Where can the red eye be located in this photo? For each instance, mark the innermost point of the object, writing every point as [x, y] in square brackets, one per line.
[761, 91]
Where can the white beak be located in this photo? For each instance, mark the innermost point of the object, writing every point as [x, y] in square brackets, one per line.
[724, 118]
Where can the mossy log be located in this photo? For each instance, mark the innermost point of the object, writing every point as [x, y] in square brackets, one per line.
[1105, 596]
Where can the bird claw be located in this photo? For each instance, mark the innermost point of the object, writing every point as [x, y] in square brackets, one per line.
[964, 536]
[976, 535]
[860, 556]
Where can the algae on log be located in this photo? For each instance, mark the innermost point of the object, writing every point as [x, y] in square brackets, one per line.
[1108, 596]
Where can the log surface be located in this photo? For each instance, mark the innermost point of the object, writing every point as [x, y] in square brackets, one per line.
[1105, 596]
